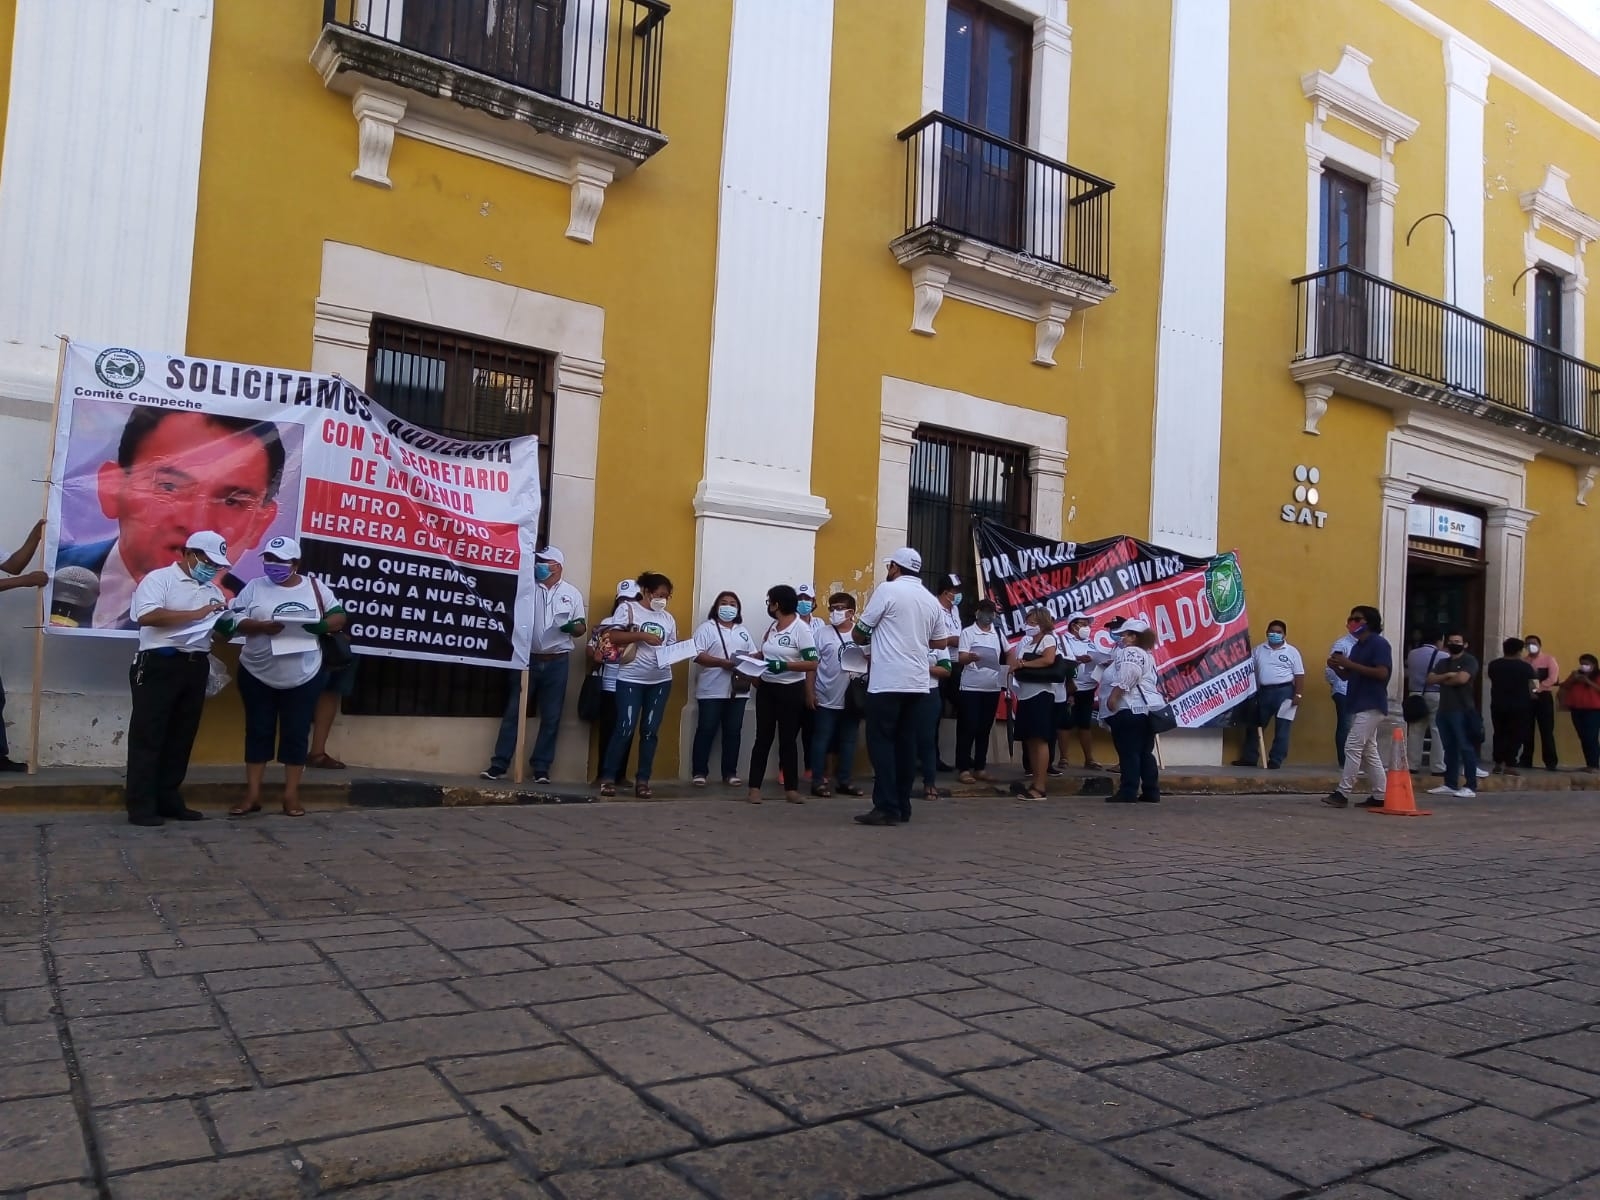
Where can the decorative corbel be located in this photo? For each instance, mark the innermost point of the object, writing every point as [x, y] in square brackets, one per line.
[1586, 479]
[1317, 397]
[1052, 324]
[376, 117]
[927, 294]
[589, 182]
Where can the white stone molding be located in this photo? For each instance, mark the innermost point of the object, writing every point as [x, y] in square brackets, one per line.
[1051, 326]
[1586, 480]
[358, 284]
[928, 281]
[589, 183]
[377, 114]
[907, 406]
[1551, 210]
[1317, 397]
[1466, 73]
[1348, 95]
[1049, 81]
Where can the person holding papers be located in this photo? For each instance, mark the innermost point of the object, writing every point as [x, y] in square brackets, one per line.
[280, 669]
[981, 653]
[176, 608]
[841, 671]
[644, 679]
[790, 653]
[1280, 684]
[720, 692]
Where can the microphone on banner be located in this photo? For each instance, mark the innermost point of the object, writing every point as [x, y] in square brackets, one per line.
[72, 600]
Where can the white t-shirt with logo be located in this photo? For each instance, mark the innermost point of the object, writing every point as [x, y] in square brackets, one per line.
[173, 587]
[793, 643]
[1028, 689]
[1075, 648]
[1277, 664]
[903, 617]
[716, 683]
[644, 668]
[263, 600]
[982, 676]
[832, 679]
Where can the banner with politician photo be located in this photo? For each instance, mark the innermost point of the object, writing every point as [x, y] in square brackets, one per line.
[424, 537]
[1195, 606]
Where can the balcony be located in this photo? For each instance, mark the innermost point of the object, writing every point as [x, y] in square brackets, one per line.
[568, 91]
[996, 224]
[1371, 339]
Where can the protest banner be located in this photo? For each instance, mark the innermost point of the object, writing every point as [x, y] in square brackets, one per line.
[423, 537]
[1195, 605]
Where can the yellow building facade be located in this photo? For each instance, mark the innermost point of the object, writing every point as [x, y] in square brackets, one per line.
[800, 281]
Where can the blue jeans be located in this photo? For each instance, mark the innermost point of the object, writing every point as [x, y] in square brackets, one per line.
[1460, 755]
[277, 721]
[1586, 722]
[547, 681]
[928, 737]
[836, 732]
[892, 724]
[639, 706]
[1269, 699]
[1341, 725]
[724, 716]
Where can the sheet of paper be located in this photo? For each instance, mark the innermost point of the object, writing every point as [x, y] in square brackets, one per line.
[1288, 710]
[751, 666]
[987, 656]
[678, 652]
[293, 640]
[853, 660]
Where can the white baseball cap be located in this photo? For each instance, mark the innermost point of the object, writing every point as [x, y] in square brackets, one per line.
[1077, 616]
[209, 542]
[284, 548]
[551, 555]
[1134, 625]
[906, 559]
[627, 589]
[806, 590]
[950, 583]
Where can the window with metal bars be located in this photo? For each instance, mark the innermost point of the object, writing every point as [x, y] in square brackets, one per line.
[476, 390]
[955, 479]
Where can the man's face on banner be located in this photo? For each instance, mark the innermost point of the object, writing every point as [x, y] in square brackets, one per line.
[187, 474]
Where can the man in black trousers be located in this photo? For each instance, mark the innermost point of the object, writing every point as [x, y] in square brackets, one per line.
[177, 609]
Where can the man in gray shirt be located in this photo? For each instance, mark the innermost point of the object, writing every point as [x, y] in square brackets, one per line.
[1419, 663]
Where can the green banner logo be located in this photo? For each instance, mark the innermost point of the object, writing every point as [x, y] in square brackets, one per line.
[1225, 588]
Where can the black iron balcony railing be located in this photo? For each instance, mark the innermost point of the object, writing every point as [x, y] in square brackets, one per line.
[1346, 312]
[603, 55]
[961, 179]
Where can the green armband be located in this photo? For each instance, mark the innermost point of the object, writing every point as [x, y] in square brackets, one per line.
[224, 627]
[776, 666]
[317, 627]
[808, 655]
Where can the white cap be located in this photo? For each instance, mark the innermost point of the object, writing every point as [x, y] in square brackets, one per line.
[1134, 625]
[551, 555]
[950, 583]
[285, 548]
[627, 589]
[906, 559]
[1077, 616]
[806, 590]
[209, 542]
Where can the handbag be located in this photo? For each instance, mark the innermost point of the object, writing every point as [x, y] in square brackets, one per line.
[1058, 671]
[335, 645]
[740, 685]
[591, 697]
[855, 688]
[1414, 708]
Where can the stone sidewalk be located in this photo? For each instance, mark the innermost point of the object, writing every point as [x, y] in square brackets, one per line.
[1238, 999]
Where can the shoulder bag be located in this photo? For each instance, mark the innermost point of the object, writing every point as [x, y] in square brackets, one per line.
[855, 690]
[740, 684]
[1162, 718]
[1414, 708]
[1057, 672]
[335, 647]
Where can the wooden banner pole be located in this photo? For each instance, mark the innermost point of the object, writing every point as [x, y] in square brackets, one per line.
[519, 763]
[38, 604]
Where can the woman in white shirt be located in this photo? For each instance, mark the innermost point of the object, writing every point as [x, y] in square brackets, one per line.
[1037, 697]
[719, 690]
[607, 661]
[1135, 694]
[280, 669]
[781, 695]
[982, 654]
[643, 684]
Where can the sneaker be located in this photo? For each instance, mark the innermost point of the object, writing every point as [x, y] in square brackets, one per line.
[1371, 802]
[1437, 771]
[541, 779]
[1482, 774]
[1465, 793]
[1336, 800]
[492, 773]
[1444, 789]
[698, 781]
[1053, 770]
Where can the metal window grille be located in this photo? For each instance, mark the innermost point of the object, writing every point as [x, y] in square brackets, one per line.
[955, 479]
[476, 390]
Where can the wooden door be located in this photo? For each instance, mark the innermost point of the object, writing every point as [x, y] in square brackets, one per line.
[983, 183]
[1342, 300]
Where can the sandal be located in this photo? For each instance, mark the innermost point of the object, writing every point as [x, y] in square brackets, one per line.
[849, 789]
[296, 811]
[641, 790]
[967, 777]
[822, 791]
[324, 762]
[1091, 765]
[793, 798]
[608, 789]
[1031, 794]
[930, 793]
[244, 810]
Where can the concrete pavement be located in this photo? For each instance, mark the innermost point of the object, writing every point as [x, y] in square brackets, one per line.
[1249, 997]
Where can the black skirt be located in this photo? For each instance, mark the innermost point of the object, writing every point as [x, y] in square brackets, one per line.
[1036, 718]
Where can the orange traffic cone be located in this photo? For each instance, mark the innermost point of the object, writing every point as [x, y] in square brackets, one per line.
[1398, 798]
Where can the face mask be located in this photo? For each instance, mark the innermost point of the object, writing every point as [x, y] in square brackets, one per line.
[727, 612]
[837, 617]
[1455, 647]
[1274, 639]
[1586, 668]
[541, 571]
[1356, 627]
[203, 572]
[659, 604]
[957, 600]
[1081, 632]
[277, 572]
[1533, 647]
[983, 620]
[803, 608]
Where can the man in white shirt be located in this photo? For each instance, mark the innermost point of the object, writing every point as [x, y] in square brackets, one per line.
[1280, 680]
[1338, 688]
[558, 623]
[176, 608]
[901, 623]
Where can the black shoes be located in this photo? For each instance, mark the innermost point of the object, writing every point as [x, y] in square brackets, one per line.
[8, 764]
[1336, 800]
[876, 816]
[1244, 762]
[185, 814]
[1371, 802]
[149, 822]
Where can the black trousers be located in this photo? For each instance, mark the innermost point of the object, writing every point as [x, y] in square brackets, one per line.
[169, 693]
[604, 728]
[1544, 719]
[778, 714]
[892, 719]
[975, 713]
[1513, 736]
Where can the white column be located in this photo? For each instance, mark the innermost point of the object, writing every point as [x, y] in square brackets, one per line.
[1466, 72]
[100, 177]
[1047, 468]
[1188, 411]
[1505, 543]
[1394, 544]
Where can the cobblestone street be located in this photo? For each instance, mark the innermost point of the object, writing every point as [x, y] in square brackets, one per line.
[1230, 998]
